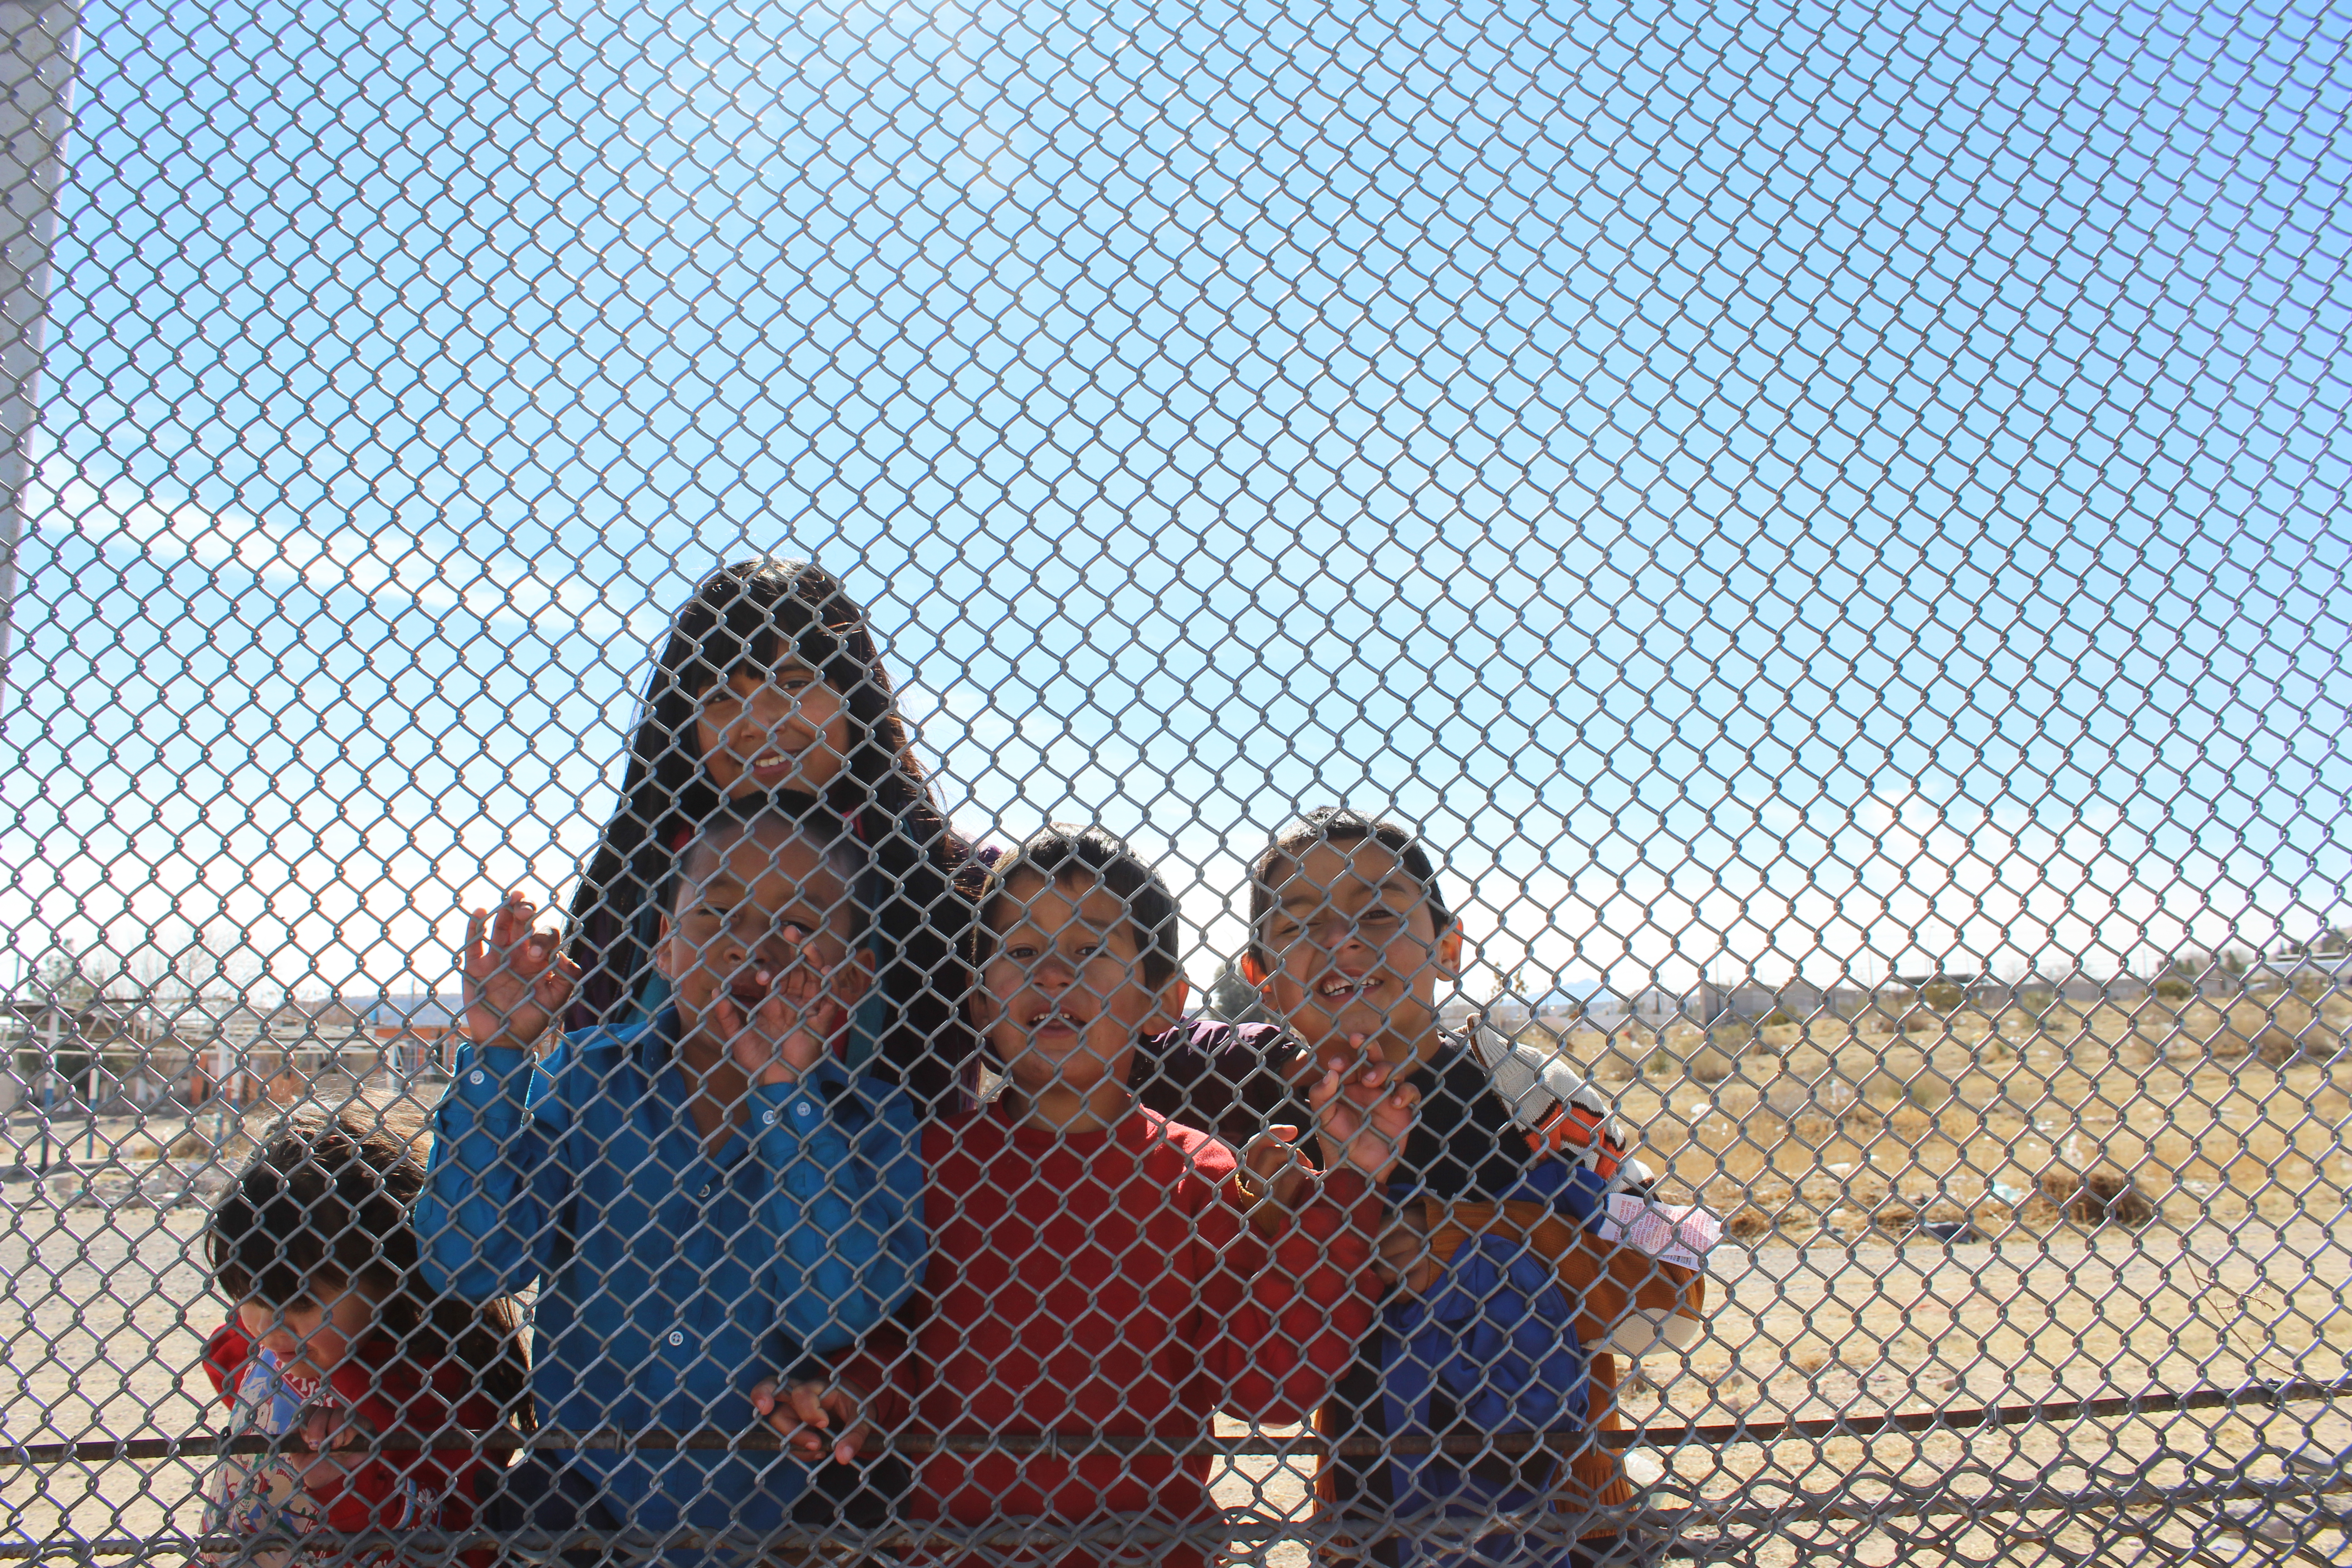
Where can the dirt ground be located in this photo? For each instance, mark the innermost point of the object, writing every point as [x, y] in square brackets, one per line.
[1830, 1149]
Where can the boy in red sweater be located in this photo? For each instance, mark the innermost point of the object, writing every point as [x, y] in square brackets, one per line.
[331, 1340]
[1097, 1268]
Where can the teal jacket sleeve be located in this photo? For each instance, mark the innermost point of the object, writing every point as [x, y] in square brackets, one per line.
[496, 1199]
[845, 1195]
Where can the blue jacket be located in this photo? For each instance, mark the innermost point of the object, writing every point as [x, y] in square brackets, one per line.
[1492, 1347]
[670, 1281]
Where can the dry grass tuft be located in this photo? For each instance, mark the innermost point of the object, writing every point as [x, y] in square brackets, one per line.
[1749, 1223]
[2098, 1197]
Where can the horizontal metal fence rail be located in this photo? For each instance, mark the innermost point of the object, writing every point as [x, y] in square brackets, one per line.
[1071, 1445]
[1683, 1526]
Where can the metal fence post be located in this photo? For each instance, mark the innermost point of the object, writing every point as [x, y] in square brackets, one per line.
[37, 64]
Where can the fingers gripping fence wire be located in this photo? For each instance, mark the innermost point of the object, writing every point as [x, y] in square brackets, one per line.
[1689, 659]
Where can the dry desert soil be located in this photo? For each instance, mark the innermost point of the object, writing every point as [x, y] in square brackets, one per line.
[2214, 1249]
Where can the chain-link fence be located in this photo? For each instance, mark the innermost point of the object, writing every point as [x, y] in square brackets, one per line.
[1822, 525]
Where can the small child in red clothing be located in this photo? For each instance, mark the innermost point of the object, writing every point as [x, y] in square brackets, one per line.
[330, 1344]
[1096, 1268]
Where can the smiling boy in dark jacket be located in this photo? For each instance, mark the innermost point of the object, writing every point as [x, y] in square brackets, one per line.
[1509, 1291]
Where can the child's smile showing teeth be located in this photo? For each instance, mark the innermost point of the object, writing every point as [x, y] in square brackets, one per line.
[1352, 942]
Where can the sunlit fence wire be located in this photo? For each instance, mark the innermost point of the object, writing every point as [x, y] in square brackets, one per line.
[1827, 521]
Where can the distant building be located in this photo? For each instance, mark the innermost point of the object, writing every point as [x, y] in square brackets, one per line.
[103, 1049]
[1711, 1004]
[250, 1052]
[2327, 969]
[418, 1032]
[140, 1053]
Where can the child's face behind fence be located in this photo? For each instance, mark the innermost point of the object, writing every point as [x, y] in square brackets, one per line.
[779, 729]
[313, 1336]
[1062, 998]
[767, 910]
[1355, 949]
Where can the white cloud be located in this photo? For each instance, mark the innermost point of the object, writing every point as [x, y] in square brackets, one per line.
[381, 562]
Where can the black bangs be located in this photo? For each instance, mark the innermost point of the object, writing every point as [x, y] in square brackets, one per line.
[1062, 852]
[326, 1198]
[1340, 826]
[266, 1252]
[751, 618]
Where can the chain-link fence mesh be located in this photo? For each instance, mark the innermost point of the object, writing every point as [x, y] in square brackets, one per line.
[1823, 523]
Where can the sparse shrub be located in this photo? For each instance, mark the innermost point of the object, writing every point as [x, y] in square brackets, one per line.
[232, 1153]
[1748, 1225]
[1912, 1123]
[2279, 1047]
[1812, 1127]
[1778, 1019]
[1712, 1064]
[2036, 1001]
[2174, 988]
[1861, 1118]
[1944, 996]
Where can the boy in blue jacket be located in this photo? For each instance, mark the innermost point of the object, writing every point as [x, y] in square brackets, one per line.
[703, 1199]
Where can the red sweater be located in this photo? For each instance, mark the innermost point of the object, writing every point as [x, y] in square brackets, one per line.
[1110, 1282]
[356, 1490]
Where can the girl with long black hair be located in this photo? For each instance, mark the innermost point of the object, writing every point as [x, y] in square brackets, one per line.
[771, 684]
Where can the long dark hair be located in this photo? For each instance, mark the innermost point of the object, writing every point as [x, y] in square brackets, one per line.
[329, 1197]
[751, 616]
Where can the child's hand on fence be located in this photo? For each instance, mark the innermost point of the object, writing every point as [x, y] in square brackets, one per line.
[1362, 1115]
[328, 1429]
[517, 977]
[803, 1413]
[780, 1023]
[1276, 1173]
[1403, 1256]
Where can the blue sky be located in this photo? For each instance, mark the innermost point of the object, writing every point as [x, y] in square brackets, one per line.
[1839, 488]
